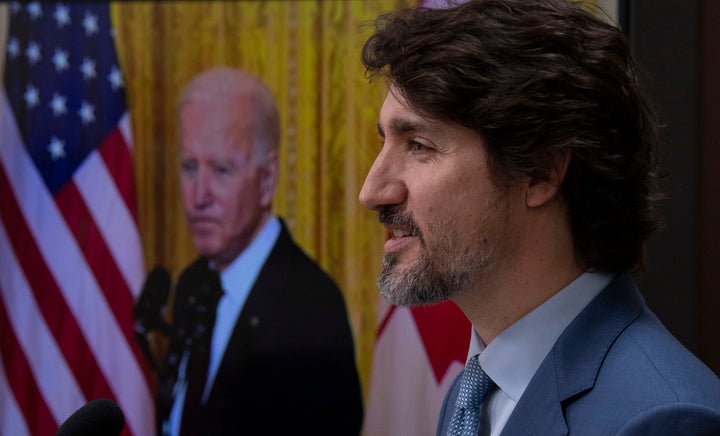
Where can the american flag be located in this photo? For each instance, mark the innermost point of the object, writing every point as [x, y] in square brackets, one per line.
[71, 260]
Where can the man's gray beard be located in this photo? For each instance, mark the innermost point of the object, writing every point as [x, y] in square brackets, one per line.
[425, 282]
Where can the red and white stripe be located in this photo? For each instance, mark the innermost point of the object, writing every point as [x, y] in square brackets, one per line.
[71, 267]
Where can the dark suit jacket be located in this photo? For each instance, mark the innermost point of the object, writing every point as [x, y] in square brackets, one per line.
[615, 370]
[289, 366]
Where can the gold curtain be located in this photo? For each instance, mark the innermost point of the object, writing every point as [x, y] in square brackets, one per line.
[308, 54]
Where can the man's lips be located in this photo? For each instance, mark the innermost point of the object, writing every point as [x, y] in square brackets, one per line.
[201, 221]
[397, 238]
[400, 226]
[398, 232]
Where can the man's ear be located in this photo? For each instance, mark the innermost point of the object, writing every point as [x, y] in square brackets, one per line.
[544, 190]
[269, 179]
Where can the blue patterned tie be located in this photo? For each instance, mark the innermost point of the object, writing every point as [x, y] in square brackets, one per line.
[474, 386]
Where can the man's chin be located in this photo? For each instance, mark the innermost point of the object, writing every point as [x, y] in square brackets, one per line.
[407, 297]
[205, 248]
[407, 289]
[416, 284]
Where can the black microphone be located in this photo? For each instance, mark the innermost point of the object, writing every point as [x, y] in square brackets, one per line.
[149, 309]
[197, 292]
[98, 417]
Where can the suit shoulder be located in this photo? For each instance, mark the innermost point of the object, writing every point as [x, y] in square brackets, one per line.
[647, 379]
[290, 264]
[647, 362]
[673, 419]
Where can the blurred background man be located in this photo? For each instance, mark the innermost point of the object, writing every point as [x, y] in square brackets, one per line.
[261, 336]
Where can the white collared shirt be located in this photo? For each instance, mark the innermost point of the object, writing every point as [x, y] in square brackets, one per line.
[237, 281]
[513, 357]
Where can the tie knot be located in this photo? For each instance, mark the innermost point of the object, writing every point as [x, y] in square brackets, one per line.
[474, 385]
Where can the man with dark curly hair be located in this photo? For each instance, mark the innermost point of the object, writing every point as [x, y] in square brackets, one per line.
[518, 179]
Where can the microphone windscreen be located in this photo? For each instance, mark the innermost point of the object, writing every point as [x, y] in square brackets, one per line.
[98, 417]
[153, 297]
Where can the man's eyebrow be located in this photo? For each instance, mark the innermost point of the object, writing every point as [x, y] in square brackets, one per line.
[399, 126]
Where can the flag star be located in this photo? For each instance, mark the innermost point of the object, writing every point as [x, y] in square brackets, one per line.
[56, 148]
[62, 15]
[58, 104]
[31, 96]
[90, 23]
[115, 78]
[60, 59]
[88, 69]
[33, 52]
[34, 10]
[87, 112]
[13, 47]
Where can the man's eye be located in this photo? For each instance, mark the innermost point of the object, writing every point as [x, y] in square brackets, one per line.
[222, 170]
[417, 146]
[187, 166]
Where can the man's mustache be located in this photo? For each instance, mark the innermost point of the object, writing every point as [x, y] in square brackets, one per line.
[394, 216]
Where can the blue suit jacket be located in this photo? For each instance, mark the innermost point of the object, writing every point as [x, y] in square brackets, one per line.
[615, 370]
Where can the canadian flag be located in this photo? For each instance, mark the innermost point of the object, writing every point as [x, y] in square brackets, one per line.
[418, 353]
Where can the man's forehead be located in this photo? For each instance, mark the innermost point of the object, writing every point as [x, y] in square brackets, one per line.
[397, 117]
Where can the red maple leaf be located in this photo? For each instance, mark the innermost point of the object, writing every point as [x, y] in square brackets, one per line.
[445, 332]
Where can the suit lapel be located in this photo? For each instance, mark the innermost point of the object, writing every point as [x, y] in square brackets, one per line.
[572, 365]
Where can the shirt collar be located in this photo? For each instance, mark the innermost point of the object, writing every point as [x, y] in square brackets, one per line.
[513, 357]
[239, 276]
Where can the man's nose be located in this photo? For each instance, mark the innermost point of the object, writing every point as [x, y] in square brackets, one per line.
[202, 193]
[383, 185]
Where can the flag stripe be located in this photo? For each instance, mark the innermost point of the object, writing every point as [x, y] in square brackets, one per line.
[91, 242]
[89, 238]
[13, 422]
[116, 155]
[33, 348]
[107, 206]
[67, 333]
[22, 384]
[97, 181]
